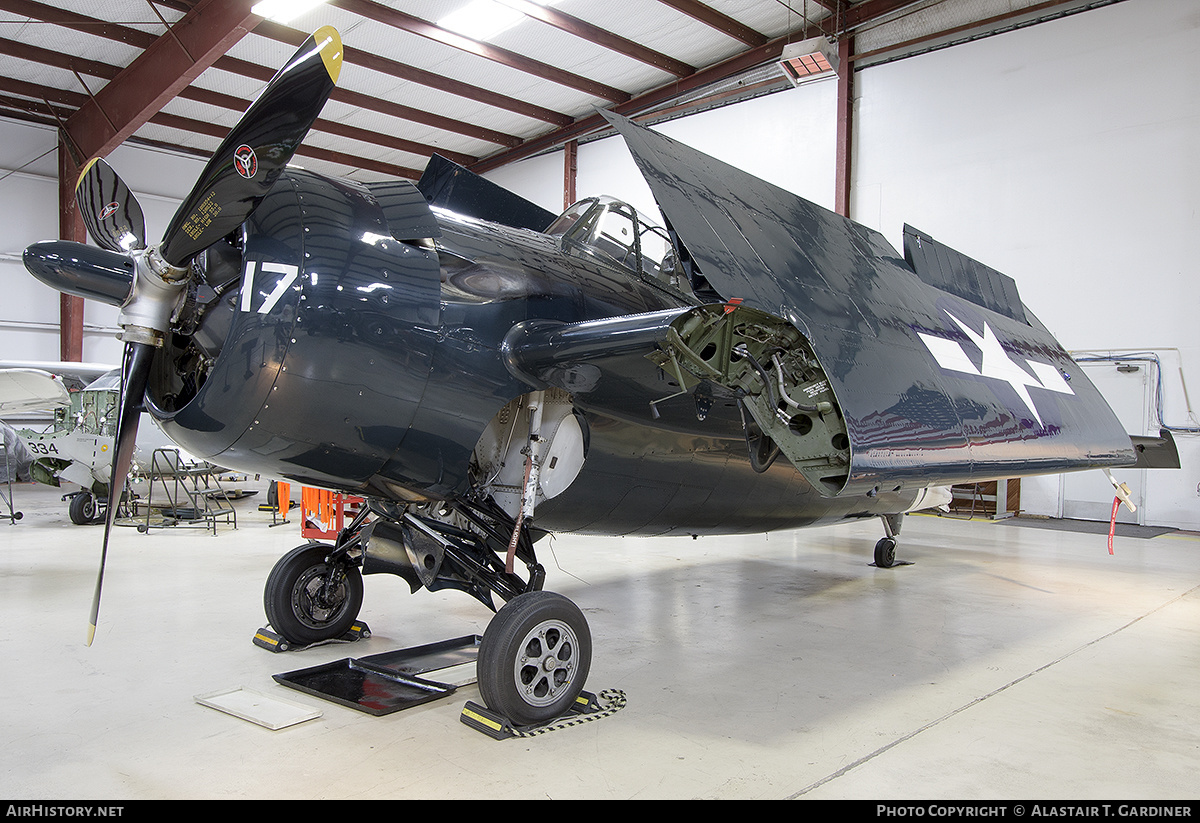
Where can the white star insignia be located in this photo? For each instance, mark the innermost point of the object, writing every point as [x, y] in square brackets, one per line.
[996, 364]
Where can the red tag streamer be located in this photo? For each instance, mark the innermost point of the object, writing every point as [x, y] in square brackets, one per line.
[1112, 523]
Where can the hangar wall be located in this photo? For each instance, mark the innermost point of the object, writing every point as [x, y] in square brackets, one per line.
[1062, 154]
[1043, 152]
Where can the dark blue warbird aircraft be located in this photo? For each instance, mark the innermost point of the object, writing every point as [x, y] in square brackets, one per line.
[483, 373]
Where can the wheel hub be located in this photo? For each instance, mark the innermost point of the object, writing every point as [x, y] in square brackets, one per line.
[548, 663]
[316, 600]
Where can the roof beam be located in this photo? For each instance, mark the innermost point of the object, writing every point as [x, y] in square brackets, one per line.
[866, 12]
[157, 76]
[642, 103]
[61, 105]
[95, 68]
[601, 37]
[415, 25]
[720, 22]
[143, 40]
[403, 71]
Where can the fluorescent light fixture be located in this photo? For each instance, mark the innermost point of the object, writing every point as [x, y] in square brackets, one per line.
[283, 11]
[808, 60]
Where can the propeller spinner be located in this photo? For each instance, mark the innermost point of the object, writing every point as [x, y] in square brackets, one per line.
[148, 282]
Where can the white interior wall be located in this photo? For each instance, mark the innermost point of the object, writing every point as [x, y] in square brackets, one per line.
[29, 310]
[787, 139]
[1043, 152]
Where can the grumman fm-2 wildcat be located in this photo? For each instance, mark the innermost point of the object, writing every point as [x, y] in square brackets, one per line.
[483, 373]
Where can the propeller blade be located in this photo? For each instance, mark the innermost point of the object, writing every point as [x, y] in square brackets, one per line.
[112, 214]
[250, 158]
[135, 372]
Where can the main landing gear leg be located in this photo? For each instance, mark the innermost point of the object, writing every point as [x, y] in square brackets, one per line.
[536, 651]
[885, 549]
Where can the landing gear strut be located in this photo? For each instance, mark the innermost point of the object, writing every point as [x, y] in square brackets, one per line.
[535, 653]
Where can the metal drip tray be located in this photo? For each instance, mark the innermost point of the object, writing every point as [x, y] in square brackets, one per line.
[384, 683]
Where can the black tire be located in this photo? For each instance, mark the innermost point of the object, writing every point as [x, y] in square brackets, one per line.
[885, 552]
[297, 605]
[534, 658]
[84, 510]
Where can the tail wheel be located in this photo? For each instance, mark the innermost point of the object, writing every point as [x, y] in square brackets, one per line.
[534, 658]
[885, 552]
[309, 599]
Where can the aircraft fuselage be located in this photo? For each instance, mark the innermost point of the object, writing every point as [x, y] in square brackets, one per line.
[338, 356]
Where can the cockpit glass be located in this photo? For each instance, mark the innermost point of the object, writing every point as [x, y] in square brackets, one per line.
[568, 219]
[617, 231]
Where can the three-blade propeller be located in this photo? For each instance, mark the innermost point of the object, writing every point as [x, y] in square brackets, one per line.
[234, 182]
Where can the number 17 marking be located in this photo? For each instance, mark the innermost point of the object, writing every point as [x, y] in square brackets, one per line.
[290, 273]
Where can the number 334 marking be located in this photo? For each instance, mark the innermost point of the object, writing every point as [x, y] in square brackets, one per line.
[290, 273]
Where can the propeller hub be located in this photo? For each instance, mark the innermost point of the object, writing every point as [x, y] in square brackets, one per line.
[157, 288]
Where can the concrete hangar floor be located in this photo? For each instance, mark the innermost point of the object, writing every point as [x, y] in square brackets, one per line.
[1005, 662]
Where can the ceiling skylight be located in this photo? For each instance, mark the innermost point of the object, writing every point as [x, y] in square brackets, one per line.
[282, 11]
[484, 19]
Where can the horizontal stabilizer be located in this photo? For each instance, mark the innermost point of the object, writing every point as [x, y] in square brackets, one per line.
[943, 268]
[450, 186]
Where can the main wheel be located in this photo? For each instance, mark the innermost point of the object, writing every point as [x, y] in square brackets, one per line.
[885, 552]
[534, 658]
[83, 509]
[308, 600]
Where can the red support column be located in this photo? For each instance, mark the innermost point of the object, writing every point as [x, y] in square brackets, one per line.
[570, 171]
[845, 126]
[70, 227]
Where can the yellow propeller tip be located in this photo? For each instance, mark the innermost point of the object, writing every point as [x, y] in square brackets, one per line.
[91, 633]
[330, 44]
[86, 169]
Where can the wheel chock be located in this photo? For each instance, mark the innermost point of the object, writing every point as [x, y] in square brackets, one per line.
[272, 641]
[482, 719]
[499, 727]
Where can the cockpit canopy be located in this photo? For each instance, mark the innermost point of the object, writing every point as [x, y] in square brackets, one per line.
[609, 227]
